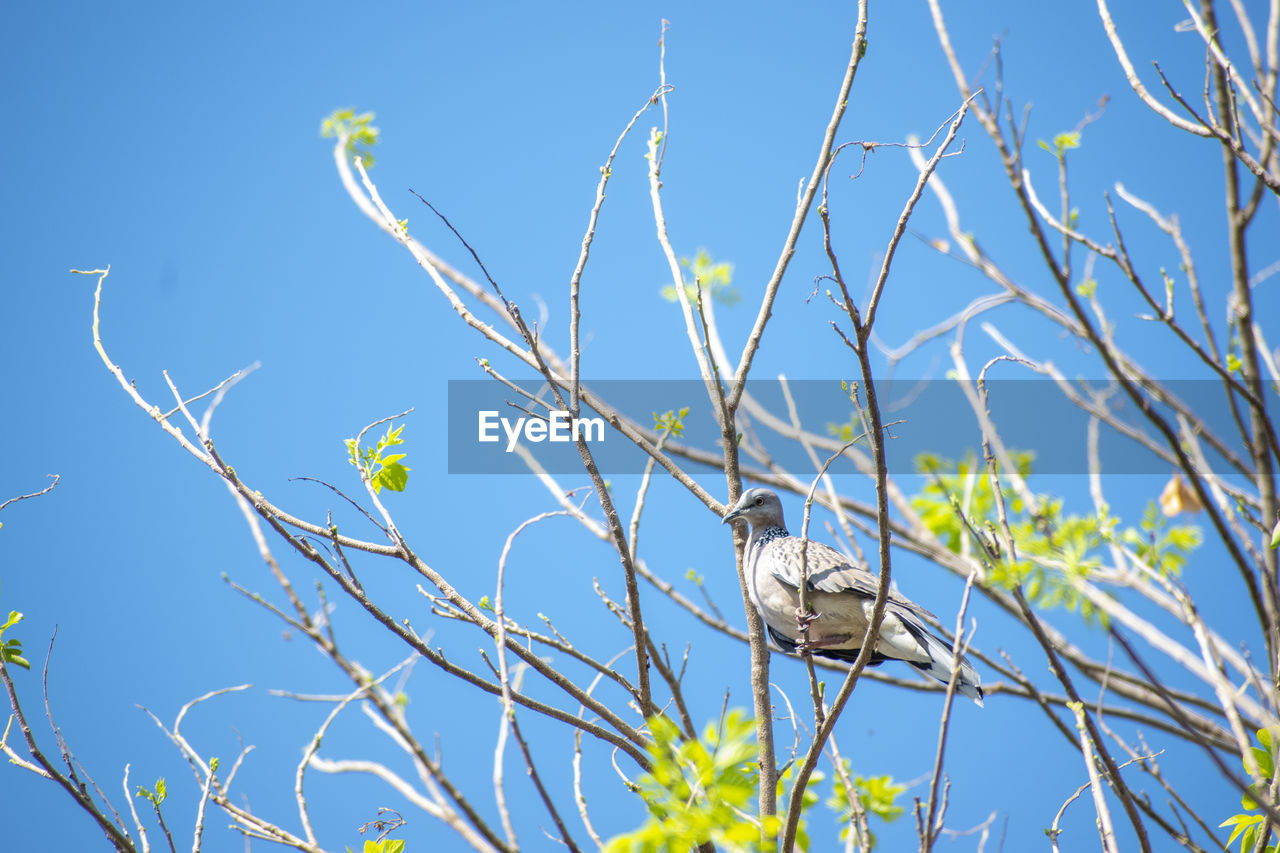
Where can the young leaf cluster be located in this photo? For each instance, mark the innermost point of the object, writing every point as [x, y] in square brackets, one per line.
[387, 845]
[846, 431]
[155, 797]
[382, 471]
[843, 433]
[878, 795]
[1162, 546]
[699, 790]
[1062, 143]
[358, 130]
[1055, 549]
[715, 278]
[11, 649]
[671, 423]
[1246, 826]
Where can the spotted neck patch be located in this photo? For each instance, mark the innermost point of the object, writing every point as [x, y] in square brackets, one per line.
[767, 535]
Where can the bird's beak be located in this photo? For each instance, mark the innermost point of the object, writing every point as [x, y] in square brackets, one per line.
[732, 516]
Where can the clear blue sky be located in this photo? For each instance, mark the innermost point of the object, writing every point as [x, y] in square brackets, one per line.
[181, 146]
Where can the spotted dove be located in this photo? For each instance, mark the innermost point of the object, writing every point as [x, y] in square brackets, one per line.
[841, 596]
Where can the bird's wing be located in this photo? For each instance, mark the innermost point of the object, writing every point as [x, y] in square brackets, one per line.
[827, 570]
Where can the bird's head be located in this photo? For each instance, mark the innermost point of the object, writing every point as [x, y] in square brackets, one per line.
[757, 507]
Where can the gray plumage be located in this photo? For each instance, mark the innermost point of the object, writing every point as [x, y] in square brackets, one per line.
[841, 594]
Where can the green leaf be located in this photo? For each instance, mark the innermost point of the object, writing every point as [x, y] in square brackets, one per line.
[1062, 143]
[1266, 755]
[360, 134]
[1263, 757]
[842, 433]
[394, 477]
[1275, 536]
[12, 652]
[716, 279]
[1246, 825]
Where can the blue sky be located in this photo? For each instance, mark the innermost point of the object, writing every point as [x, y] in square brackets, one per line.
[181, 146]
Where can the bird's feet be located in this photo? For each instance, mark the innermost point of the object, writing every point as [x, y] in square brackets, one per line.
[805, 647]
[804, 620]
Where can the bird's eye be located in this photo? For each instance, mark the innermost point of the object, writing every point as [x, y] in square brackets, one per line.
[759, 501]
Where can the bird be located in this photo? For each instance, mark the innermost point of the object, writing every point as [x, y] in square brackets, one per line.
[841, 596]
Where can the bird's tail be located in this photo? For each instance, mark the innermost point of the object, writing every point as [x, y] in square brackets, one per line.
[942, 663]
